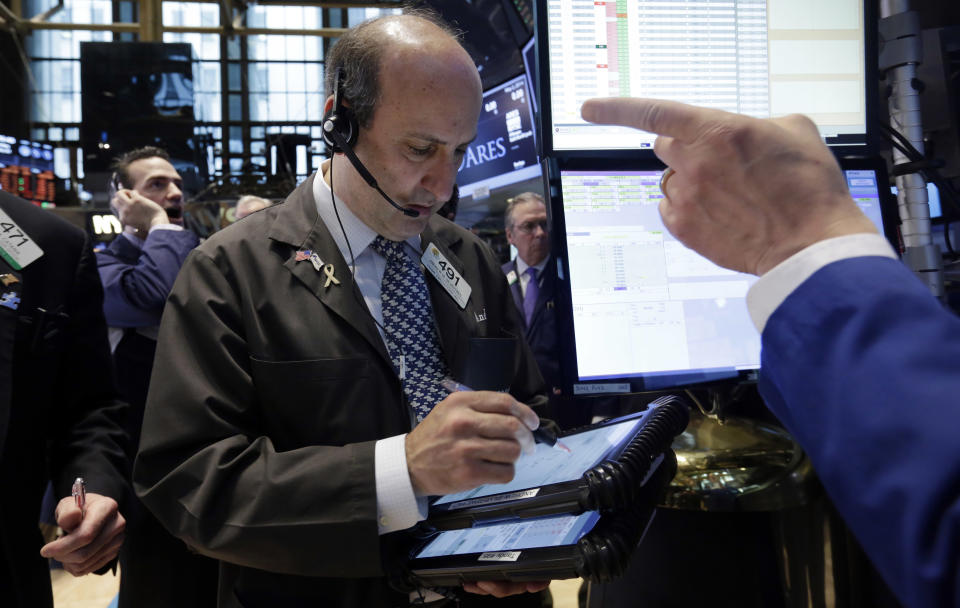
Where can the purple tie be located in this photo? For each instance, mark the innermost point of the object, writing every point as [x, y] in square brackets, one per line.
[530, 297]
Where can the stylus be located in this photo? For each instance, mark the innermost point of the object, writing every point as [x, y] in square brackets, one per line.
[540, 434]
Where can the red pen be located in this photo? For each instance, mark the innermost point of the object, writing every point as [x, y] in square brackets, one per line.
[79, 493]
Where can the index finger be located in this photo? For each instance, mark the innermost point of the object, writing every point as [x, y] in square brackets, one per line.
[660, 116]
[502, 403]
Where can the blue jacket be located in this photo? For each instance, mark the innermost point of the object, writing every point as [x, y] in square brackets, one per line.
[862, 366]
[136, 282]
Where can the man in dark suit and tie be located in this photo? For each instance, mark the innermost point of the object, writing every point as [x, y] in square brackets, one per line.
[59, 414]
[533, 283]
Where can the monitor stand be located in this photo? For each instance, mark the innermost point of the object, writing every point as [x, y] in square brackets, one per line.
[716, 402]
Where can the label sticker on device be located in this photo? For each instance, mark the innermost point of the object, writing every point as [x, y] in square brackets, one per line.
[499, 556]
[483, 500]
[445, 274]
[601, 388]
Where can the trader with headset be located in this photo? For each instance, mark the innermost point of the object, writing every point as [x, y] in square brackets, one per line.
[308, 423]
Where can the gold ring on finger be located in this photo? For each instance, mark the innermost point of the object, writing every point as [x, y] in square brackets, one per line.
[667, 174]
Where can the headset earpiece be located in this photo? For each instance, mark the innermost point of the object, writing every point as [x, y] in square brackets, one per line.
[339, 118]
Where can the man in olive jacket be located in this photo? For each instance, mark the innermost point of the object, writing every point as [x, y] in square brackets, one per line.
[281, 440]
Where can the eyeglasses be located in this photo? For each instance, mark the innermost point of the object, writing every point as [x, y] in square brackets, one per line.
[530, 227]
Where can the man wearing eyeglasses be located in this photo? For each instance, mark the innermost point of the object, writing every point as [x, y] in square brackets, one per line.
[533, 283]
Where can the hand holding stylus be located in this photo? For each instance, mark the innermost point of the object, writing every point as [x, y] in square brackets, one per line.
[469, 439]
[540, 434]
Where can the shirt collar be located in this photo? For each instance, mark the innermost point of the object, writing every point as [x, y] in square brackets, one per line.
[522, 266]
[357, 232]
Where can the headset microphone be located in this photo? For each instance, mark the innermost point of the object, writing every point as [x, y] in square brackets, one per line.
[341, 120]
[330, 130]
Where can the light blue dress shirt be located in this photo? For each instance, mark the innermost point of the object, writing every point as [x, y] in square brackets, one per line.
[398, 507]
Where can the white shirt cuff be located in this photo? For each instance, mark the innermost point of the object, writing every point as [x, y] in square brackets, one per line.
[166, 227]
[772, 288]
[397, 506]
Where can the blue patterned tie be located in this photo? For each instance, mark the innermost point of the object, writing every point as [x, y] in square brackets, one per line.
[409, 327]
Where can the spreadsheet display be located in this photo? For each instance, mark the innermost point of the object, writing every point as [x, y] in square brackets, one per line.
[744, 56]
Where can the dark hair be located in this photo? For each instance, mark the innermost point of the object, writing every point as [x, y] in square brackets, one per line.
[359, 54]
[121, 164]
[513, 203]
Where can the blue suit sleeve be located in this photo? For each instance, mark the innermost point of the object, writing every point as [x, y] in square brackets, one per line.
[860, 363]
[135, 291]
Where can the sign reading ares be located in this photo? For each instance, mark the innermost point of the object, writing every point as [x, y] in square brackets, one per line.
[481, 153]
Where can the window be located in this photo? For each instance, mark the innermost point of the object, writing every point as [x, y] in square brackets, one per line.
[244, 86]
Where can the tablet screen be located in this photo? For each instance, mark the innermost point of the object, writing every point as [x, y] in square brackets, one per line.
[549, 465]
[528, 534]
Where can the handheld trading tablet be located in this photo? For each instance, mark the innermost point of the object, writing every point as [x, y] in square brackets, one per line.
[590, 545]
[604, 469]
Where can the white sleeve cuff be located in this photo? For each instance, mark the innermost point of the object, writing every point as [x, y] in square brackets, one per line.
[772, 288]
[165, 227]
[397, 506]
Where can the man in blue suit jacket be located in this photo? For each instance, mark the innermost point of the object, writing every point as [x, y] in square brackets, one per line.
[138, 269]
[859, 361]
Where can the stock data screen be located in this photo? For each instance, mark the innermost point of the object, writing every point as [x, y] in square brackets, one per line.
[752, 57]
[505, 150]
[644, 305]
[548, 465]
[26, 168]
[524, 534]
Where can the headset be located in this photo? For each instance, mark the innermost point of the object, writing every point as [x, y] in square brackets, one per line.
[340, 131]
[340, 128]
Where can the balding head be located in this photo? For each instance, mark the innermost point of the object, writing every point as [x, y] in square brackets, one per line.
[417, 114]
[364, 51]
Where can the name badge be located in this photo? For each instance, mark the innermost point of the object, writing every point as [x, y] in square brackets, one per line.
[16, 247]
[511, 277]
[445, 274]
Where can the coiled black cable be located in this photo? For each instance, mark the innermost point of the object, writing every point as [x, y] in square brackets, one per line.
[614, 484]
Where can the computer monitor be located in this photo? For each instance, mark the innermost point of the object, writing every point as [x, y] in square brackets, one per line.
[26, 169]
[529, 52]
[753, 57]
[647, 312]
[505, 151]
